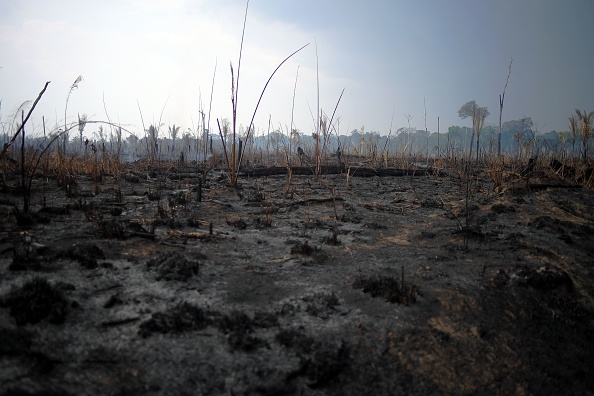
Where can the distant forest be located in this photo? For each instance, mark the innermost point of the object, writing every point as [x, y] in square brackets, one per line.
[518, 139]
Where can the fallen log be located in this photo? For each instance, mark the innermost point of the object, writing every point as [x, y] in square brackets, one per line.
[295, 170]
[336, 170]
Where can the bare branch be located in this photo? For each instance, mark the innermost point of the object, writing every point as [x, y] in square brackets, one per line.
[7, 145]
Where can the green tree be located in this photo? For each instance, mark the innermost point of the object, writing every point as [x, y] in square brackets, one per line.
[523, 124]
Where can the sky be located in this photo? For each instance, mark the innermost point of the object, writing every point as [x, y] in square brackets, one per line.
[155, 61]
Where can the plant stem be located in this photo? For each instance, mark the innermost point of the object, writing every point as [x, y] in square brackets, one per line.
[262, 94]
[23, 176]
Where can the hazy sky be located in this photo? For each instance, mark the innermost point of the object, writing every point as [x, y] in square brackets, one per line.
[390, 57]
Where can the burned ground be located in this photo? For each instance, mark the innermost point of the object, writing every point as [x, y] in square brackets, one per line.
[386, 285]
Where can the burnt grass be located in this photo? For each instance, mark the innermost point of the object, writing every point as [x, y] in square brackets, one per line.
[162, 281]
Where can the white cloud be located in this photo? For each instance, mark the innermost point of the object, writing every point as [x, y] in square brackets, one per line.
[131, 50]
[159, 5]
[138, 56]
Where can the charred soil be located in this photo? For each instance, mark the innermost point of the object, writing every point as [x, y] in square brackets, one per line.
[169, 282]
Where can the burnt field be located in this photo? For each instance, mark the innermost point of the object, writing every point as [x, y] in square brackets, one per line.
[169, 280]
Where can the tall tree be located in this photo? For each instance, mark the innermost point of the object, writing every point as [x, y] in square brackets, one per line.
[82, 122]
[153, 141]
[585, 120]
[573, 126]
[478, 115]
[523, 124]
[501, 99]
[467, 109]
[173, 132]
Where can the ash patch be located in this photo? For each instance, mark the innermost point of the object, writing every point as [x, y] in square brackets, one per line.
[316, 254]
[319, 362]
[569, 232]
[111, 228]
[388, 288]
[549, 288]
[326, 363]
[238, 327]
[500, 279]
[86, 254]
[240, 224]
[295, 339]
[375, 226]
[175, 266]
[17, 346]
[182, 318]
[321, 305]
[35, 301]
[539, 312]
[22, 262]
[544, 278]
[431, 203]
[265, 320]
[333, 240]
[14, 341]
[502, 208]
[113, 301]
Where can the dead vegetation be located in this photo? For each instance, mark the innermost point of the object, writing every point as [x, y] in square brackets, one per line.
[356, 272]
[299, 291]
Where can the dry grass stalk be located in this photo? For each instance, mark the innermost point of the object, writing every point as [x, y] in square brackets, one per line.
[232, 157]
